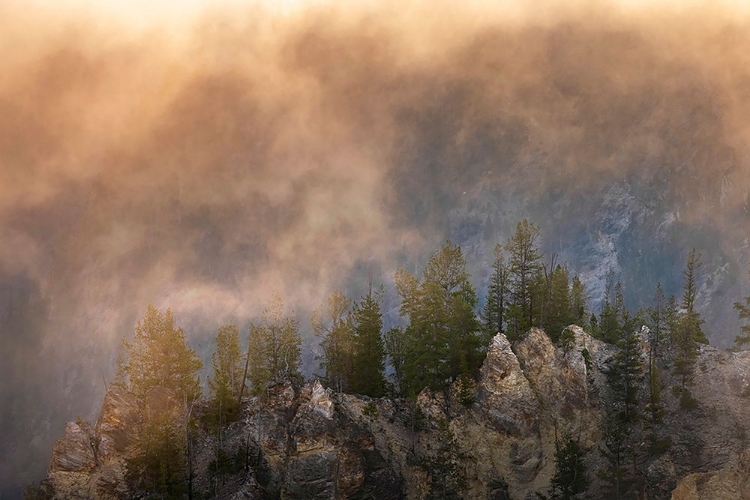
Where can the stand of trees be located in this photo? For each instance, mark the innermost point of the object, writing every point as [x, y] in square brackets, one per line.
[444, 339]
[353, 346]
[161, 370]
[274, 348]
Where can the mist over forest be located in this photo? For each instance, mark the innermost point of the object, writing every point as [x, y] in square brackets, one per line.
[207, 164]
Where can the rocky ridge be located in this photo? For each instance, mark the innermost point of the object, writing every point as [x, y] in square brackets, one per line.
[309, 442]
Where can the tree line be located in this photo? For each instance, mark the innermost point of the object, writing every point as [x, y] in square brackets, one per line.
[444, 339]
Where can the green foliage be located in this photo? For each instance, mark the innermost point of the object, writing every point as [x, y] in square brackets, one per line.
[609, 327]
[227, 381]
[273, 348]
[370, 410]
[594, 327]
[161, 371]
[624, 377]
[523, 265]
[447, 475]
[686, 351]
[493, 313]
[586, 358]
[657, 317]
[467, 390]
[744, 313]
[570, 479]
[655, 412]
[687, 400]
[567, 340]
[369, 357]
[158, 356]
[559, 309]
[688, 326]
[395, 347]
[578, 302]
[337, 340]
[616, 474]
[226, 464]
[442, 339]
[160, 464]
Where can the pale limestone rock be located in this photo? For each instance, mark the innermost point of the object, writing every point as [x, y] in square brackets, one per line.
[560, 380]
[320, 400]
[504, 394]
[74, 452]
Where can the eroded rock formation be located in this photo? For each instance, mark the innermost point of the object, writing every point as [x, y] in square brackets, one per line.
[309, 442]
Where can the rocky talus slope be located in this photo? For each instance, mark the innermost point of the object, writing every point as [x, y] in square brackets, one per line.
[498, 438]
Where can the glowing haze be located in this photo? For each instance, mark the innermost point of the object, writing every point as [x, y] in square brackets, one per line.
[200, 158]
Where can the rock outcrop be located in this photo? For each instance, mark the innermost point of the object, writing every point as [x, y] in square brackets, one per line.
[498, 437]
[89, 462]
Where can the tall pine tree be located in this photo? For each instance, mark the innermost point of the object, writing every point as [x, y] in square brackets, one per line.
[523, 265]
[337, 340]
[273, 347]
[225, 384]
[688, 330]
[493, 314]
[369, 363]
[578, 302]
[160, 369]
[559, 310]
[443, 336]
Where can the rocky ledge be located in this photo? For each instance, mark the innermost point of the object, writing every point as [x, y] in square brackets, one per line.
[309, 442]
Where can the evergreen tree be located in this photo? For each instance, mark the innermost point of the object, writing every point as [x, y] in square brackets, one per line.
[159, 356]
[619, 303]
[225, 385]
[596, 330]
[693, 320]
[273, 348]
[493, 314]
[337, 334]
[578, 302]
[559, 309]
[570, 479]
[160, 369]
[624, 376]
[609, 327]
[395, 348]
[744, 312]
[442, 338]
[523, 265]
[444, 468]
[617, 453]
[655, 412]
[540, 292]
[688, 330]
[369, 363]
[656, 315]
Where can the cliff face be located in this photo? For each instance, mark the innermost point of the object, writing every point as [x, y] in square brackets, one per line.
[495, 440]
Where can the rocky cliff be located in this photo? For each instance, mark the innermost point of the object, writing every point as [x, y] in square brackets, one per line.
[495, 440]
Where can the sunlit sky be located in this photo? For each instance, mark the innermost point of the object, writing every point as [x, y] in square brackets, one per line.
[145, 12]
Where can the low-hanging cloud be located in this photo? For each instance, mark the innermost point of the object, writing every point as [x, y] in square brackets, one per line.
[238, 152]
